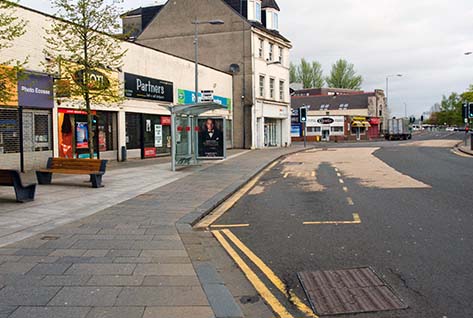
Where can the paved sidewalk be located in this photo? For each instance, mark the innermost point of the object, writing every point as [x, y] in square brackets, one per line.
[466, 148]
[128, 260]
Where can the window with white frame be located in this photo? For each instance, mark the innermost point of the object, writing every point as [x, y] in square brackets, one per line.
[281, 90]
[258, 11]
[275, 21]
[261, 85]
[261, 48]
[271, 87]
[271, 52]
[281, 52]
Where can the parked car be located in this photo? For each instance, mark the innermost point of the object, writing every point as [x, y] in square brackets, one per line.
[451, 129]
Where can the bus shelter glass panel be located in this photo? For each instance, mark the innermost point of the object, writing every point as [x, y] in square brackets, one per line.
[184, 147]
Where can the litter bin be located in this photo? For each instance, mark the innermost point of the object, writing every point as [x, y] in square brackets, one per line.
[124, 153]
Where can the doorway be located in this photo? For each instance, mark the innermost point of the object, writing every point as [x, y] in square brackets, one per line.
[325, 135]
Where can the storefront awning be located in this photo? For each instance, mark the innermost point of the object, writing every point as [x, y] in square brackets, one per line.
[360, 124]
[356, 124]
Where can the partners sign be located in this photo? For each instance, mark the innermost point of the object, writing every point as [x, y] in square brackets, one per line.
[137, 86]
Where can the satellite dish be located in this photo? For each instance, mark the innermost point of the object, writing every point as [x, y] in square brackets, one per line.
[234, 68]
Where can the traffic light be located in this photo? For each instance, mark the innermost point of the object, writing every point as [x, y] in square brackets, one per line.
[465, 112]
[422, 118]
[470, 110]
[303, 114]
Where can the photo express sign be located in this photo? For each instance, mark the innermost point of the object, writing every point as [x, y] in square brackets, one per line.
[35, 90]
[143, 87]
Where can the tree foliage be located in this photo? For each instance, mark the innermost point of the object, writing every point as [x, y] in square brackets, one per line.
[310, 74]
[82, 49]
[343, 75]
[11, 28]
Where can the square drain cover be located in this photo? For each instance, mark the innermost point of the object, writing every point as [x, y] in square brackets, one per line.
[348, 291]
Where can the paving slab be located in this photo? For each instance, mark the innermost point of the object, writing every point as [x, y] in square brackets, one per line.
[86, 296]
[50, 312]
[128, 246]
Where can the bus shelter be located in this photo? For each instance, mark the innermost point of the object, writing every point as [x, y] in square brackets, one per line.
[195, 137]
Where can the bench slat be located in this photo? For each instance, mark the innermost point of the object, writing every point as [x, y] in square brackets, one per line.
[67, 171]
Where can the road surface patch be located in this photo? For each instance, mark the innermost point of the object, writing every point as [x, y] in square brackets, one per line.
[356, 220]
[349, 291]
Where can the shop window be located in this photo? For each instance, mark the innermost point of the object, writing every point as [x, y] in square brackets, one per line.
[337, 129]
[354, 130]
[133, 130]
[107, 127]
[9, 131]
[313, 129]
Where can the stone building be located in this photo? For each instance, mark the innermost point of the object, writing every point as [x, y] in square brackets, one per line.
[248, 45]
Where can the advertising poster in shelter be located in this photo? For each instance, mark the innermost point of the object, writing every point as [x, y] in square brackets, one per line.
[211, 137]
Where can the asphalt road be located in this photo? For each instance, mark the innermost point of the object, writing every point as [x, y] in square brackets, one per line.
[418, 239]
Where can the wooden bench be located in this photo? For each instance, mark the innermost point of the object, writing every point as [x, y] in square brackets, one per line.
[24, 193]
[93, 167]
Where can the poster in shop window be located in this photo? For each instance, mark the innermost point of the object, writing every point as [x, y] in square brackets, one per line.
[158, 136]
[211, 137]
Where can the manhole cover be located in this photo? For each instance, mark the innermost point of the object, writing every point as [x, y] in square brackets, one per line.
[348, 291]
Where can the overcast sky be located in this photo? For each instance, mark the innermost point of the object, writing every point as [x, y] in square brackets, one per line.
[422, 39]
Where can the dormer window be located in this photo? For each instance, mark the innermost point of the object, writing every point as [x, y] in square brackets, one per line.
[258, 11]
[275, 21]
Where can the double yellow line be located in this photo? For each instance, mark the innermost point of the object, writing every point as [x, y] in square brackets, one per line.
[274, 303]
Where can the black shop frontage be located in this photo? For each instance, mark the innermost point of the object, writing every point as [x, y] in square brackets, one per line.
[148, 131]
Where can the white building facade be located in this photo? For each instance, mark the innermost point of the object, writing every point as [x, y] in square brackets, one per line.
[141, 124]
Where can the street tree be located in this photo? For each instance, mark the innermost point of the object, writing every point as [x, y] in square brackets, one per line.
[310, 74]
[82, 48]
[11, 28]
[450, 110]
[343, 75]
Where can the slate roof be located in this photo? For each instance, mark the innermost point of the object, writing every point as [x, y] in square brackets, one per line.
[357, 101]
[270, 4]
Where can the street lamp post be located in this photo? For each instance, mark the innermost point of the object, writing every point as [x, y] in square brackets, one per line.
[387, 87]
[196, 47]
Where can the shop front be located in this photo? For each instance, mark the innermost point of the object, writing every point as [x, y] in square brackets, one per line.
[26, 123]
[273, 125]
[147, 128]
[73, 134]
[359, 127]
[326, 128]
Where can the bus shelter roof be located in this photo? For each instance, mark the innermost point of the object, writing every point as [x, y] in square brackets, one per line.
[194, 109]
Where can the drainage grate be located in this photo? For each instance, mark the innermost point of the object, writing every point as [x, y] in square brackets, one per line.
[348, 291]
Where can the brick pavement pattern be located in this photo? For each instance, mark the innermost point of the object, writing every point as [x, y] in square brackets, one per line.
[127, 260]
